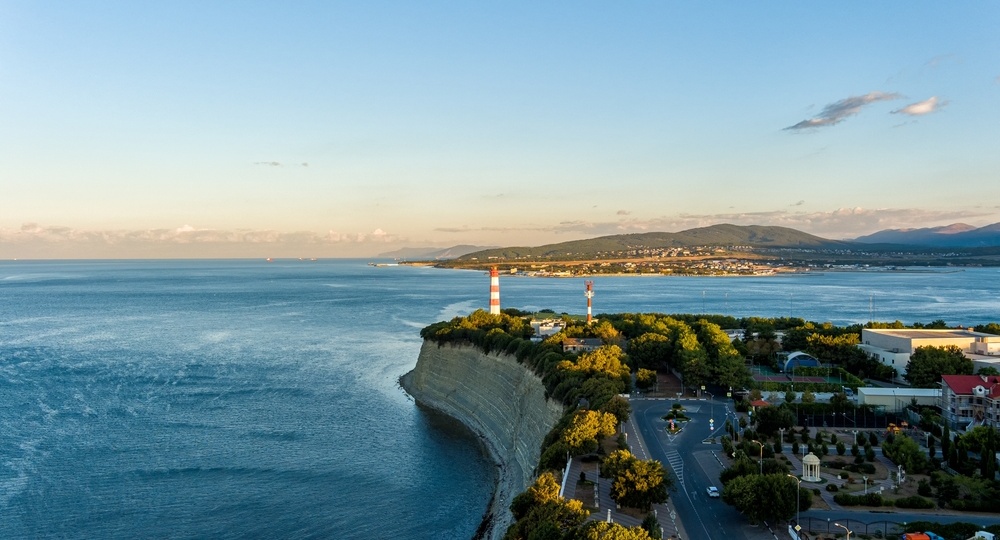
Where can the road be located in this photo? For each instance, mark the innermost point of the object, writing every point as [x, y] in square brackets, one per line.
[695, 465]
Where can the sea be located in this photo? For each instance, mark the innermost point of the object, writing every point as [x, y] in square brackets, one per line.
[256, 399]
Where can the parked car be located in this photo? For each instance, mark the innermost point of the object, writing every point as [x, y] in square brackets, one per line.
[712, 491]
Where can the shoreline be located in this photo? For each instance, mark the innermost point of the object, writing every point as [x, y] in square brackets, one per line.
[475, 389]
[490, 526]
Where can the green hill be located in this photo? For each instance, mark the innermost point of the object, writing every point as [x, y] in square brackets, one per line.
[724, 235]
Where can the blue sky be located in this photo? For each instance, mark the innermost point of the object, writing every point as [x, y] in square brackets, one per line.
[139, 129]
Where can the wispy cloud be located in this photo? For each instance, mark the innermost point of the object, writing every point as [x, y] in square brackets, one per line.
[623, 212]
[279, 164]
[800, 203]
[184, 241]
[920, 108]
[838, 111]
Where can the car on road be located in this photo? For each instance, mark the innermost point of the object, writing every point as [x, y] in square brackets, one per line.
[712, 491]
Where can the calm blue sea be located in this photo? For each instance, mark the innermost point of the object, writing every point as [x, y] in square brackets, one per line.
[246, 399]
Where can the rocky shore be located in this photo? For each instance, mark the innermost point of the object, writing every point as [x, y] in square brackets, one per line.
[501, 401]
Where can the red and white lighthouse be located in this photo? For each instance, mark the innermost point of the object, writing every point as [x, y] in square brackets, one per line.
[494, 291]
[589, 293]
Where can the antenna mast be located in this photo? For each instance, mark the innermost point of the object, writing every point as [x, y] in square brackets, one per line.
[589, 293]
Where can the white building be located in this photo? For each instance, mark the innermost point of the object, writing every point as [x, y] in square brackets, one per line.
[546, 327]
[893, 346]
[896, 399]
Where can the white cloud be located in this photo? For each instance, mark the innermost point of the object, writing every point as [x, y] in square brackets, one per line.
[839, 111]
[33, 240]
[920, 108]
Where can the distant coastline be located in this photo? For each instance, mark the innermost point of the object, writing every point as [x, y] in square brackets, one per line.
[769, 272]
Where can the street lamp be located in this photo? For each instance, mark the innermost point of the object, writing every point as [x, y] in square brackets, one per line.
[761, 457]
[781, 439]
[845, 528]
[797, 488]
[865, 478]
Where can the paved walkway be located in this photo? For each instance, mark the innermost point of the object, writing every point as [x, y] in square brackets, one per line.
[607, 509]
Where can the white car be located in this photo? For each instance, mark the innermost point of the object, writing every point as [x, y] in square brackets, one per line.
[712, 491]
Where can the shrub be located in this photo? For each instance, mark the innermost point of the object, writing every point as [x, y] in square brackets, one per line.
[846, 499]
[915, 501]
[924, 487]
[832, 487]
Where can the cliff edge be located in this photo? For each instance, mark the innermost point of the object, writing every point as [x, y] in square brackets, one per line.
[498, 399]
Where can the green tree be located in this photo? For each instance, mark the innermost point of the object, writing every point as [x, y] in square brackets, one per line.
[945, 442]
[616, 462]
[808, 397]
[645, 379]
[642, 484]
[586, 428]
[602, 530]
[771, 419]
[606, 360]
[726, 365]
[988, 371]
[652, 526]
[991, 328]
[619, 407]
[904, 451]
[541, 514]
[650, 350]
[770, 498]
[928, 364]
[837, 349]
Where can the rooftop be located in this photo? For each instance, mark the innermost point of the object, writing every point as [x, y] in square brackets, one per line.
[901, 391]
[924, 333]
[963, 384]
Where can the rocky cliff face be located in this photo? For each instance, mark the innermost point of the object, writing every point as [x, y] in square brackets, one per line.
[498, 399]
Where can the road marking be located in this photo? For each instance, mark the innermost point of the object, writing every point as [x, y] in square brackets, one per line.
[676, 464]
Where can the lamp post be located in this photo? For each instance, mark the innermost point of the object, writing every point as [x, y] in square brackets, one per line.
[865, 478]
[761, 457]
[781, 439]
[797, 488]
[845, 528]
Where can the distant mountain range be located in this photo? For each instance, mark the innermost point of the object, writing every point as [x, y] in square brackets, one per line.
[755, 236]
[958, 235]
[430, 253]
[716, 235]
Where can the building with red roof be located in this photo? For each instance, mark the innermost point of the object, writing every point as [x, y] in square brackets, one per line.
[970, 400]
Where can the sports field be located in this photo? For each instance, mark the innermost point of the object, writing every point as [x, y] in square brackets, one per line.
[766, 374]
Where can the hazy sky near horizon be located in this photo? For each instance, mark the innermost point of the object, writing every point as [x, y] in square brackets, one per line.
[141, 129]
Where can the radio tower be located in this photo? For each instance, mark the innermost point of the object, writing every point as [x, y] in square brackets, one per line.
[589, 294]
[494, 291]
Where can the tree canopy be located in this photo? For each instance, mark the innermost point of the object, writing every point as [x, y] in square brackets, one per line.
[542, 514]
[928, 364]
[766, 498]
[586, 428]
[635, 483]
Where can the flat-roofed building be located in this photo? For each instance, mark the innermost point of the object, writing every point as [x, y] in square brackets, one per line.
[546, 327]
[893, 347]
[896, 399]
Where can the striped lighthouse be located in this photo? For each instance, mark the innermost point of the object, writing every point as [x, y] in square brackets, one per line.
[494, 291]
[589, 293]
